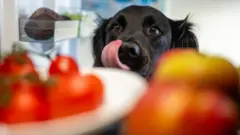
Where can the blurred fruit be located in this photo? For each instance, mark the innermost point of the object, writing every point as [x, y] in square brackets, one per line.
[16, 67]
[198, 69]
[238, 69]
[23, 102]
[63, 65]
[17, 63]
[183, 110]
[25, 97]
[176, 51]
[73, 93]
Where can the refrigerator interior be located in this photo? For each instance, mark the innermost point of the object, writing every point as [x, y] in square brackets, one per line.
[79, 48]
[214, 20]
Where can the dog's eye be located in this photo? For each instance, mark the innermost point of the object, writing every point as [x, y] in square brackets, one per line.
[117, 28]
[154, 31]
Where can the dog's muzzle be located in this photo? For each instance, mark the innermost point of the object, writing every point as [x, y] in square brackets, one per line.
[124, 55]
[110, 57]
[130, 54]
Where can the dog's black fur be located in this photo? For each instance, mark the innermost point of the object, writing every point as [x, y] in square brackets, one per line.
[132, 24]
[147, 27]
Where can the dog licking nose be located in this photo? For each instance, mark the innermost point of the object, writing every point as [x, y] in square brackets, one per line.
[129, 50]
[110, 55]
[129, 54]
[123, 55]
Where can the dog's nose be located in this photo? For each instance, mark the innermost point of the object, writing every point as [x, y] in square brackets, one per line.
[130, 54]
[130, 50]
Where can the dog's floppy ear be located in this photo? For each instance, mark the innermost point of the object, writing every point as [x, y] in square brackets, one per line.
[99, 37]
[182, 35]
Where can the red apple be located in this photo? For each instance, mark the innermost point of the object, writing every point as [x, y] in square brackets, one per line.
[183, 110]
[212, 114]
[198, 69]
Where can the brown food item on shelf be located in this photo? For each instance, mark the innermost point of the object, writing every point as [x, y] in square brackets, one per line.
[40, 25]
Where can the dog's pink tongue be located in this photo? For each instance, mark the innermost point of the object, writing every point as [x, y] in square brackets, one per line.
[110, 55]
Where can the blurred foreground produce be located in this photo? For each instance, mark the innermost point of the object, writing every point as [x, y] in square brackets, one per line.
[27, 97]
[198, 69]
[73, 94]
[21, 91]
[63, 65]
[191, 93]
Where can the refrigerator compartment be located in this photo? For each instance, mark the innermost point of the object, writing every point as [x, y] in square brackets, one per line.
[87, 19]
[42, 31]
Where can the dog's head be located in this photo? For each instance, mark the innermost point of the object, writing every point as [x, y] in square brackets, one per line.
[146, 33]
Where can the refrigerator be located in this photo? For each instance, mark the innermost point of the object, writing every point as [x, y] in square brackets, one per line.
[15, 13]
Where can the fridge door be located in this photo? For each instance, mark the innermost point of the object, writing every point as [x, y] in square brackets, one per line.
[8, 24]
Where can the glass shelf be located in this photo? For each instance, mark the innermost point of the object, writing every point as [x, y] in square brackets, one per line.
[50, 31]
[43, 39]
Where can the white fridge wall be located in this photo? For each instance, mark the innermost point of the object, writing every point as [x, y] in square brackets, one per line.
[217, 24]
[29, 6]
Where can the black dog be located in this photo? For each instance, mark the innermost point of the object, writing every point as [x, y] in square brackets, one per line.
[146, 33]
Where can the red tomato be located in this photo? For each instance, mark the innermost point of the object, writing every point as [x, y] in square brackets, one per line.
[1, 68]
[23, 102]
[63, 65]
[73, 94]
[17, 64]
[10, 80]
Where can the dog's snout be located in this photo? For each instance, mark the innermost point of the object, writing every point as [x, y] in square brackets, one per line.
[130, 54]
[132, 50]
